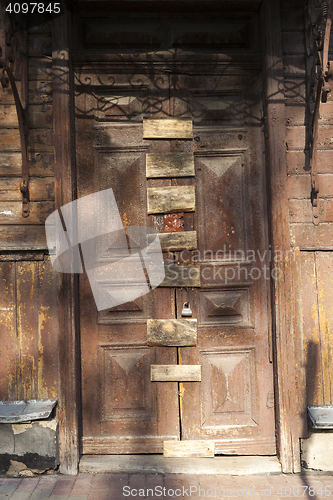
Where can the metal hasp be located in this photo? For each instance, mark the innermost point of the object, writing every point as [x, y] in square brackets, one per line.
[10, 52]
[318, 39]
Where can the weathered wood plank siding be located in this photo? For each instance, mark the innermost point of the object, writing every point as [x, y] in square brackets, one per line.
[28, 295]
[40, 139]
[312, 287]
[28, 329]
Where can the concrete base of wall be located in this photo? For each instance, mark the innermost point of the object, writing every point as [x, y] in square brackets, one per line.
[26, 447]
[317, 451]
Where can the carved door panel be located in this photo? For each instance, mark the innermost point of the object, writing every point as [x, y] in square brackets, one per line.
[123, 411]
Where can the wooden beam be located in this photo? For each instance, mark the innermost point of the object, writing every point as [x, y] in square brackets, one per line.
[175, 373]
[172, 332]
[174, 449]
[286, 362]
[170, 165]
[186, 240]
[65, 192]
[169, 199]
[167, 128]
[181, 276]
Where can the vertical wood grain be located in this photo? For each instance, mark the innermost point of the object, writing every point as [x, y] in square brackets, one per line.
[287, 411]
[65, 192]
[8, 333]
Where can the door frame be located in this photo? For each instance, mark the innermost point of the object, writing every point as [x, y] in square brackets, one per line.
[286, 359]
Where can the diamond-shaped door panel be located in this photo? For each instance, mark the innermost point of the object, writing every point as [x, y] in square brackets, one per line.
[224, 306]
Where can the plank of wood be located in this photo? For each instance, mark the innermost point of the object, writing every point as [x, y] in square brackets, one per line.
[8, 116]
[40, 164]
[9, 355]
[181, 276]
[21, 237]
[174, 449]
[11, 212]
[167, 128]
[172, 332]
[287, 393]
[40, 116]
[170, 165]
[135, 464]
[129, 445]
[186, 240]
[39, 189]
[69, 448]
[18, 256]
[175, 373]
[27, 328]
[171, 199]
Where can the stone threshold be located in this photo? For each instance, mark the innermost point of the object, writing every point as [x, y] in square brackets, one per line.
[157, 464]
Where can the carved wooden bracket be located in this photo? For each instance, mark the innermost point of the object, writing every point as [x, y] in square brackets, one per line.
[318, 29]
[13, 43]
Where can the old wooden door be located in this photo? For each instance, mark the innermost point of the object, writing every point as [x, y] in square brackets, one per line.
[228, 265]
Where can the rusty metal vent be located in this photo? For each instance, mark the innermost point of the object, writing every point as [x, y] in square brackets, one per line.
[321, 416]
[14, 412]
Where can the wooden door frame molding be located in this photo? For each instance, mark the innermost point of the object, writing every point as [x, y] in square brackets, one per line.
[65, 192]
[287, 422]
[286, 340]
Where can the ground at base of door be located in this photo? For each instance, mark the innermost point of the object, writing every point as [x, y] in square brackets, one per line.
[89, 486]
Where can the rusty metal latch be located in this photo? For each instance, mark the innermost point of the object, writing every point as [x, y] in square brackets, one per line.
[322, 71]
[23, 129]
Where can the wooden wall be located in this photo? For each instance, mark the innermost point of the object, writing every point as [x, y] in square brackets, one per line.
[313, 286]
[28, 292]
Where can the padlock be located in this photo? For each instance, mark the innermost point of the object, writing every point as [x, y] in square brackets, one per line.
[186, 311]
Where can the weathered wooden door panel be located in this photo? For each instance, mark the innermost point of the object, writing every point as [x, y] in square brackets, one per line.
[123, 411]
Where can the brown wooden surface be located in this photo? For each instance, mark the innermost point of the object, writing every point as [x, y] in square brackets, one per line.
[39, 189]
[167, 128]
[120, 403]
[316, 268]
[177, 241]
[163, 200]
[175, 373]
[22, 237]
[170, 165]
[29, 330]
[286, 391]
[181, 276]
[233, 404]
[172, 332]
[65, 192]
[188, 449]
